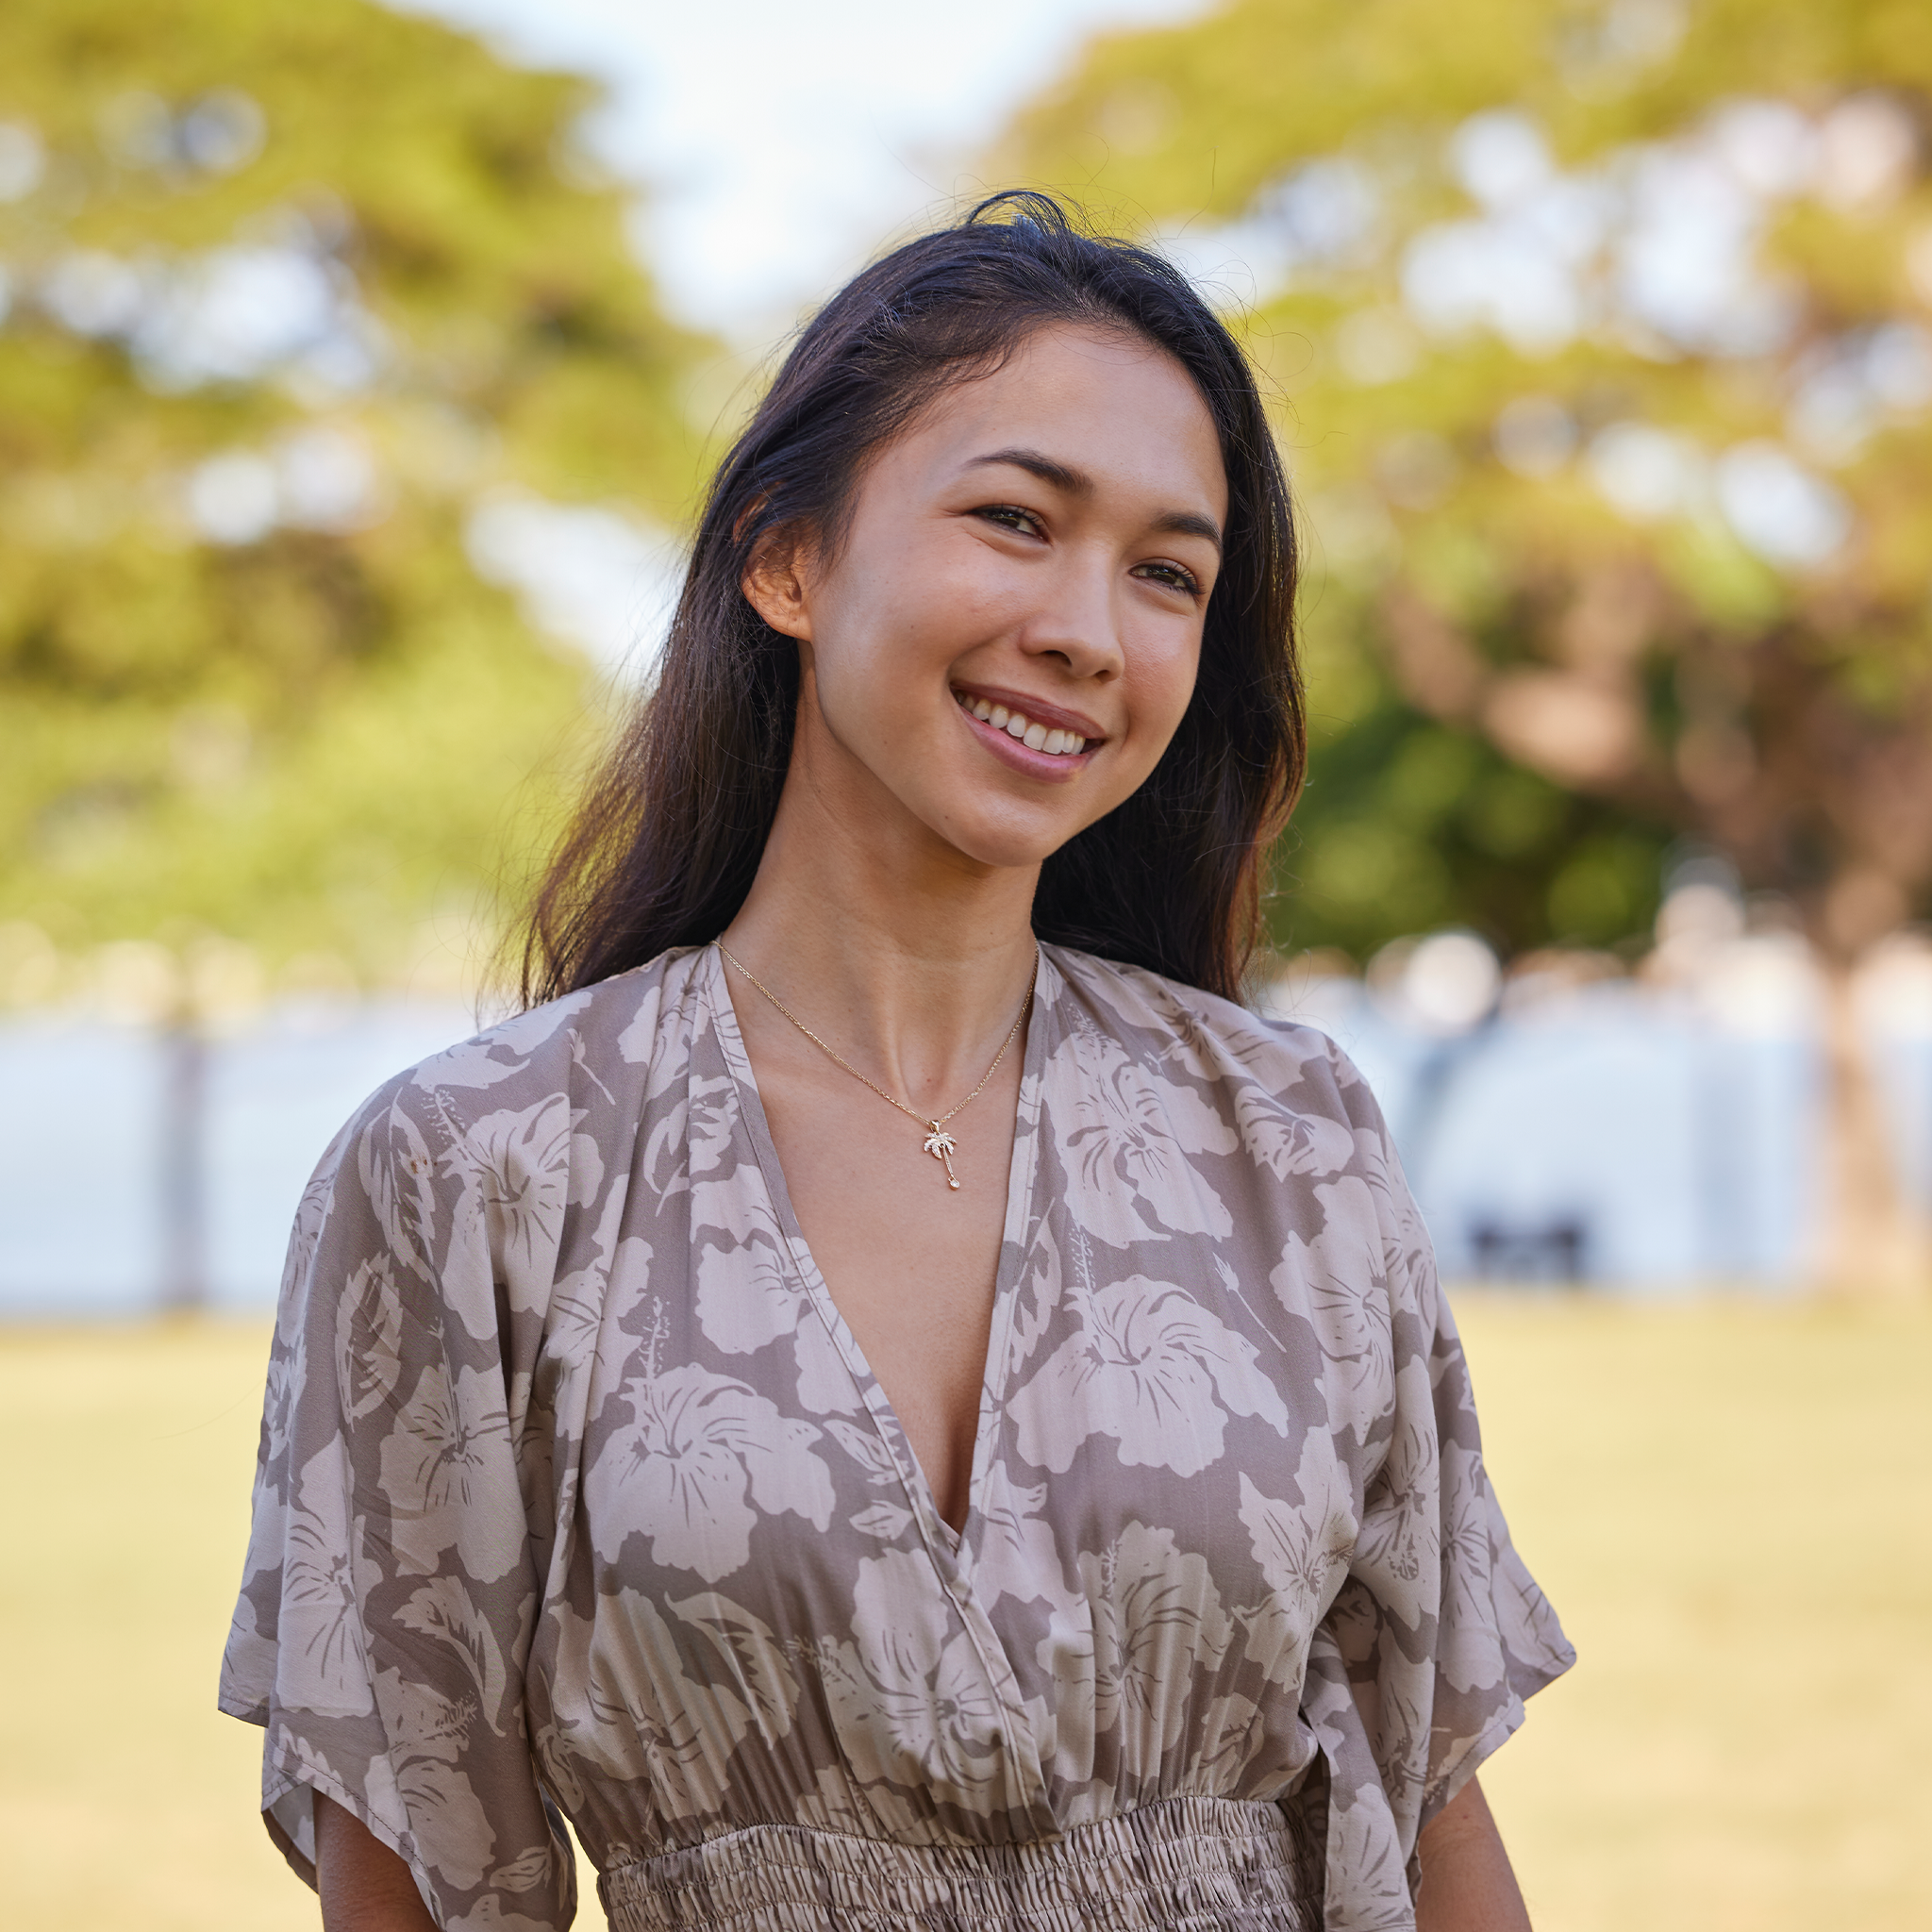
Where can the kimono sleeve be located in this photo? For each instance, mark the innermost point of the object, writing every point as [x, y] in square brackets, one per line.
[1439, 1633]
[390, 1587]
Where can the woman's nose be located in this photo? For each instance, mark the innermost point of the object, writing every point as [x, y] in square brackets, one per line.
[1079, 619]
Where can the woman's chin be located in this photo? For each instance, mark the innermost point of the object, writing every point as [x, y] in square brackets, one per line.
[991, 838]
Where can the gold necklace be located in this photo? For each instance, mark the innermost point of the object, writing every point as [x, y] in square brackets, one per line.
[939, 1143]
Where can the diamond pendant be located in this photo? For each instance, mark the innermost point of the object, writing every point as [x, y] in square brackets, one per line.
[939, 1144]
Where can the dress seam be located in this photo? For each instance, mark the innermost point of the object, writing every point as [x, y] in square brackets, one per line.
[1061, 1858]
[788, 1829]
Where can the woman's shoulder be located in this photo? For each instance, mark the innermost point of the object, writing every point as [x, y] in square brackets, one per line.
[596, 1051]
[1159, 1019]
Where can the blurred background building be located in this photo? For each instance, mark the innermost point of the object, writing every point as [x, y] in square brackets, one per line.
[359, 368]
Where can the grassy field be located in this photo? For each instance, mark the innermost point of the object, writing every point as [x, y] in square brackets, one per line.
[1731, 1504]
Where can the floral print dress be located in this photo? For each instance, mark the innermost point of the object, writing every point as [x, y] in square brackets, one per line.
[576, 1496]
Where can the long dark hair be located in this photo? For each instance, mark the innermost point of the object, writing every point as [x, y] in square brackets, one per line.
[666, 842]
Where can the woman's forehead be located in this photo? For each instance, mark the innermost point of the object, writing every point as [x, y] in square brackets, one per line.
[1106, 405]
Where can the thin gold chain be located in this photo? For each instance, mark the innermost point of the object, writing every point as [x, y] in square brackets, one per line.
[933, 1121]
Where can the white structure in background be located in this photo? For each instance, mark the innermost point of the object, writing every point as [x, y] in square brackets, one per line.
[1442, 985]
[1567, 1121]
[1653, 1131]
[92, 1221]
[1894, 994]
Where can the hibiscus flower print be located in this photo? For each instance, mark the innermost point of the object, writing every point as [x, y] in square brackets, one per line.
[1017, 1555]
[1150, 1367]
[418, 1778]
[1469, 1637]
[650, 1715]
[442, 1469]
[1287, 1141]
[746, 1297]
[516, 1171]
[693, 1137]
[288, 1371]
[311, 1216]
[1399, 1548]
[606, 1292]
[443, 1611]
[398, 1178]
[712, 1122]
[323, 1665]
[1125, 1136]
[912, 1683]
[682, 1472]
[1301, 1549]
[1157, 1619]
[575, 1485]
[1368, 1874]
[1338, 1282]
[1298, 1545]
[368, 1339]
[750, 1294]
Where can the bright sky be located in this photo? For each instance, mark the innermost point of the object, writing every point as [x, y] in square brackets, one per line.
[782, 142]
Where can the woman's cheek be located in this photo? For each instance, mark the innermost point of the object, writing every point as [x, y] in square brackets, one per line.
[1159, 695]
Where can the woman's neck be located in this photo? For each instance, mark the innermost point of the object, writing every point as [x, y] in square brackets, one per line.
[912, 958]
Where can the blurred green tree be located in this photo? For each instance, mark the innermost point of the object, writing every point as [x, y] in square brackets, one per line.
[285, 293]
[1600, 331]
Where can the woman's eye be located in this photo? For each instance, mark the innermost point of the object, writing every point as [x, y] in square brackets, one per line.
[1173, 576]
[1010, 517]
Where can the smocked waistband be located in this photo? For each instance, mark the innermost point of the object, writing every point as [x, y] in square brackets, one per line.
[1181, 1865]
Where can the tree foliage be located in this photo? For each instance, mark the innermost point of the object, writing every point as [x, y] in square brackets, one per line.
[1600, 331]
[287, 290]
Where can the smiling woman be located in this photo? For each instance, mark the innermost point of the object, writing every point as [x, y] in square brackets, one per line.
[1164, 875]
[1089, 1530]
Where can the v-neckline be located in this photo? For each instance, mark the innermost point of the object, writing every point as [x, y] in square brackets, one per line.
[1022, 1168]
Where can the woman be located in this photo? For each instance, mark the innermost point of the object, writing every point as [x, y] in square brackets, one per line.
[889, 1399]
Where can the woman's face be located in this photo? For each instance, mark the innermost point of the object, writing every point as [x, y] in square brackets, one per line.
[1004, 644]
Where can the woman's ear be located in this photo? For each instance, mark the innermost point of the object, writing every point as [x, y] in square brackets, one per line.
[775, 586]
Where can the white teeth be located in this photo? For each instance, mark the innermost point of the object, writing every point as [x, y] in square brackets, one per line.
[1051, 740]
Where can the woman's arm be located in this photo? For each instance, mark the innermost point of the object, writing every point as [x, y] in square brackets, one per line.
[364, 1886]
[1467, 1883]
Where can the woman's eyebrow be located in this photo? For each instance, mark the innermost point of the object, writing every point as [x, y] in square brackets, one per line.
[1178, 523]
[1183, 522]
[1075, 482]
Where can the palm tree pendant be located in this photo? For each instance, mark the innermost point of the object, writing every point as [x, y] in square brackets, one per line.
[941, 1145]
[938, 1143]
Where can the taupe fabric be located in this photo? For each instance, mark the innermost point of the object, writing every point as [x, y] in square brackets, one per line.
[1177, 1865]
[575, 1487]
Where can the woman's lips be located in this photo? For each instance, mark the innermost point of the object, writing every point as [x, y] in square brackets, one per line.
[1054, 767]
[1037, 710]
